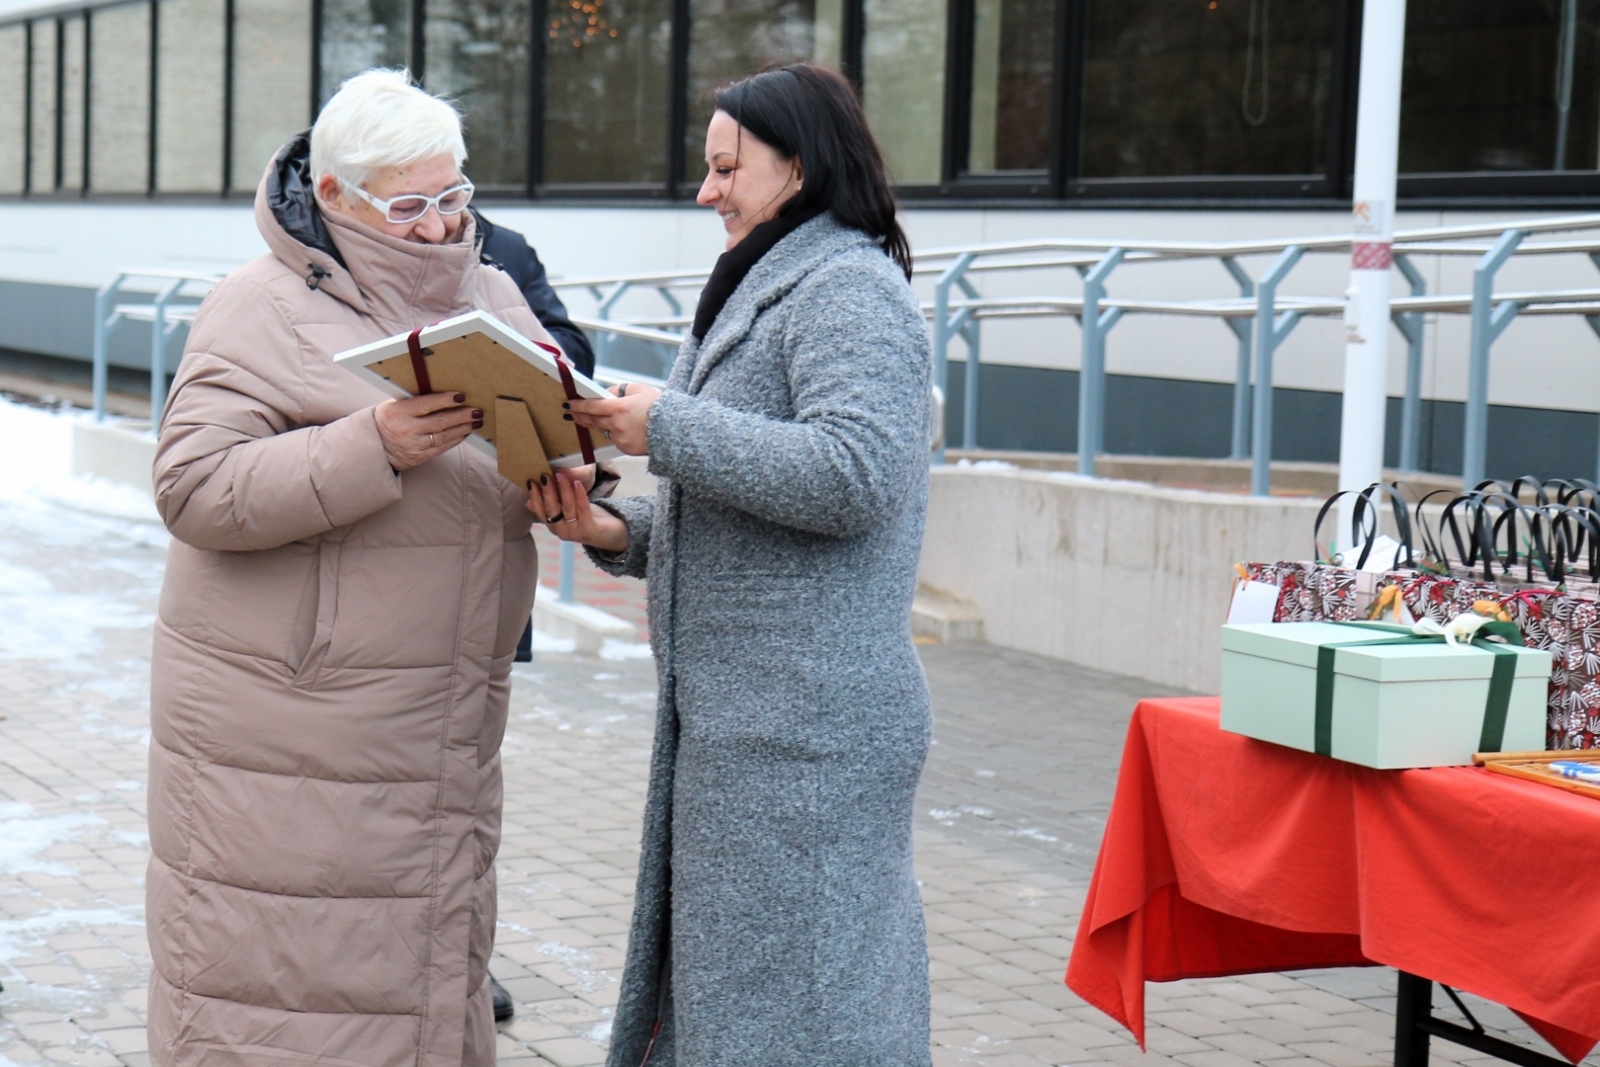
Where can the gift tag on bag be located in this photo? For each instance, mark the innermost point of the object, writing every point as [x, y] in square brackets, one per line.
[1253, 602]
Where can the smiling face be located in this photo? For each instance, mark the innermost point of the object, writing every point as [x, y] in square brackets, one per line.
[429, 177]
[747, 181]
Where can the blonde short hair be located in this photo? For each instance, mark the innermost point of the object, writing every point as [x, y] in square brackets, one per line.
[380, 118]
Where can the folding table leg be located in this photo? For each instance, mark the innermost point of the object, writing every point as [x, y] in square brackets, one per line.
[1413, 1007]
[1415, 1025]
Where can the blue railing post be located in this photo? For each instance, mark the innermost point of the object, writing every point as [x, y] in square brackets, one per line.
[603, 342]
[944, 327]
[158, 352]
[667, 353]
[1271, 329]
[568, 559]
[969, 396]
[1488, 323]
[1241, 374]
[1092, 364]
[1411, 325]
[1594, 325]
[102, 329]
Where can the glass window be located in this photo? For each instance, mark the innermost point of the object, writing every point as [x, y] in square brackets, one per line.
[607, 91]
[1491, 85]
[732, 38]
[189, 68]
[478, 57]
[1012, 48]
[903, 85]
[42, 72]
[271, 82]
[1209, 87]
[119, 99]
[358, 35]
[13, 91]
[72, 103]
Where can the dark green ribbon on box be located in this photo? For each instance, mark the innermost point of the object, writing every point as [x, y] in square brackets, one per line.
[1496, 706]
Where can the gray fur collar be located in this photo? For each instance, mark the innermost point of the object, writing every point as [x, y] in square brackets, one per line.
[768, 282]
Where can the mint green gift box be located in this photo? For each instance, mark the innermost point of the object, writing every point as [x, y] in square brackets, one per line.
[1398, 703]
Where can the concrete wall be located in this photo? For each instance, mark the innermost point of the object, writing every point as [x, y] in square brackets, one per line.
[1120, 576]
[1036, 409]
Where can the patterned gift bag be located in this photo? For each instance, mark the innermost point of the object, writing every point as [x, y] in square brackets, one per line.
[1314, 592]
[1566, 626]
[1575, 708]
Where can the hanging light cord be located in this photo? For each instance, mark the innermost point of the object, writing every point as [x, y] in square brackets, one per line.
[1256, 7]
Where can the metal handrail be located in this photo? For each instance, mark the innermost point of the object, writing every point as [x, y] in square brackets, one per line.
[163, 315]
[1259, 316]
[1233, 249]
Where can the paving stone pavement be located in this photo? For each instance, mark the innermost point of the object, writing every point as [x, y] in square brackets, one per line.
[1008, 821]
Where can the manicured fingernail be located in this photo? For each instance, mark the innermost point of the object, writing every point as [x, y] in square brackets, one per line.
[461, 398]
[477, 414]
[544, 479]
[566, 406]
[477, 424]
[567, 417]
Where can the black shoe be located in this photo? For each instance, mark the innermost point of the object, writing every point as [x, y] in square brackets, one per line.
[503, 1007]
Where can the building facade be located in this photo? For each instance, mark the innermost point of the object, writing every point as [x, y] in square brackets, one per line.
[1061, 102]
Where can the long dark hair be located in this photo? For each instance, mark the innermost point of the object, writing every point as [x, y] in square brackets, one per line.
[812, 113]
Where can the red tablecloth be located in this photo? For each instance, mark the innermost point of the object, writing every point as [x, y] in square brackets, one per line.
[1226, 855]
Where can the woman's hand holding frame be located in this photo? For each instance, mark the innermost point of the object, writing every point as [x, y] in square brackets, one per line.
[561, 502]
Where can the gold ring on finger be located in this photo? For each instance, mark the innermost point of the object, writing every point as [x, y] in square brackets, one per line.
[430, 440]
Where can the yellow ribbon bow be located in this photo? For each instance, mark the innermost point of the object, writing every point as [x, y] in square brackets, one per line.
[1389, 599]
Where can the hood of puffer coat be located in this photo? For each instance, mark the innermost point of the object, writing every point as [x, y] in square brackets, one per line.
[391, 279]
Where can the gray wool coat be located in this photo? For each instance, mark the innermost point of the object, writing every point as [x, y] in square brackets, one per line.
[778, 922]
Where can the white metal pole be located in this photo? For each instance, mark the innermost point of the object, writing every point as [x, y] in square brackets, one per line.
[1366, 316]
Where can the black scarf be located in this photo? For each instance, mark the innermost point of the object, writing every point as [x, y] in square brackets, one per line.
[736, 262]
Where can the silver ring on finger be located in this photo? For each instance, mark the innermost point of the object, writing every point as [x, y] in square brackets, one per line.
[607, 433]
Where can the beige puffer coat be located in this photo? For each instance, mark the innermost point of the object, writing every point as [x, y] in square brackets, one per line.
[331, 671]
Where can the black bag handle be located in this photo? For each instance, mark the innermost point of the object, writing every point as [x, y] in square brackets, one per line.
[1540, 497]
[1432, 540]
[1488, 530]
[1360, 531]
[1578, 529]
[1579, 521]
[1402, 520]
[1537, 520]
[1469, 549]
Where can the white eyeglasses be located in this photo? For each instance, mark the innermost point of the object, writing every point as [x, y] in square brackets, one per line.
[409, 207]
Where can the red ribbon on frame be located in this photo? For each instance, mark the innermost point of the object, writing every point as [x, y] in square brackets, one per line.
[419, 366]
[585, 444]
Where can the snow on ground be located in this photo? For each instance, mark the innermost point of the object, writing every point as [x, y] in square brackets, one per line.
[36, 469]
[75, 553]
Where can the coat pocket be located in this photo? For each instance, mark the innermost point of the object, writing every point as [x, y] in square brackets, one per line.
[322, 600]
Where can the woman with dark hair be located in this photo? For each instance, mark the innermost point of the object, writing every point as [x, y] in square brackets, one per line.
[777, 922]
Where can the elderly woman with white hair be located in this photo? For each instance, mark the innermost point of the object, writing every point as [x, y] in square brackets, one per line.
[343, 598]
